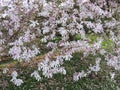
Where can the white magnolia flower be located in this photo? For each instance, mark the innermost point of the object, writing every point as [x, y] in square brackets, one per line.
[112, 74]
[36, 75]
[84, 1]
[63, 31]
[96, 67]
[67, 57]
[62, 70]
[3, 15]
[102, 51]
[14, 74]
[75, 76]
[16, 81]
[33, 23]
[5, 70]
[44, 40]
[82, 74]
[67, 4]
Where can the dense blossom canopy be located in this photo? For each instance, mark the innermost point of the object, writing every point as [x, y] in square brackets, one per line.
[28, 26]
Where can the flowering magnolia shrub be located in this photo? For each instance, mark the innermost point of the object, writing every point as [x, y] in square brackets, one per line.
[28, 26]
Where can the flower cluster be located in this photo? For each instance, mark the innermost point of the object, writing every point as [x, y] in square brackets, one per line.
[49, 68]
[14, 79]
